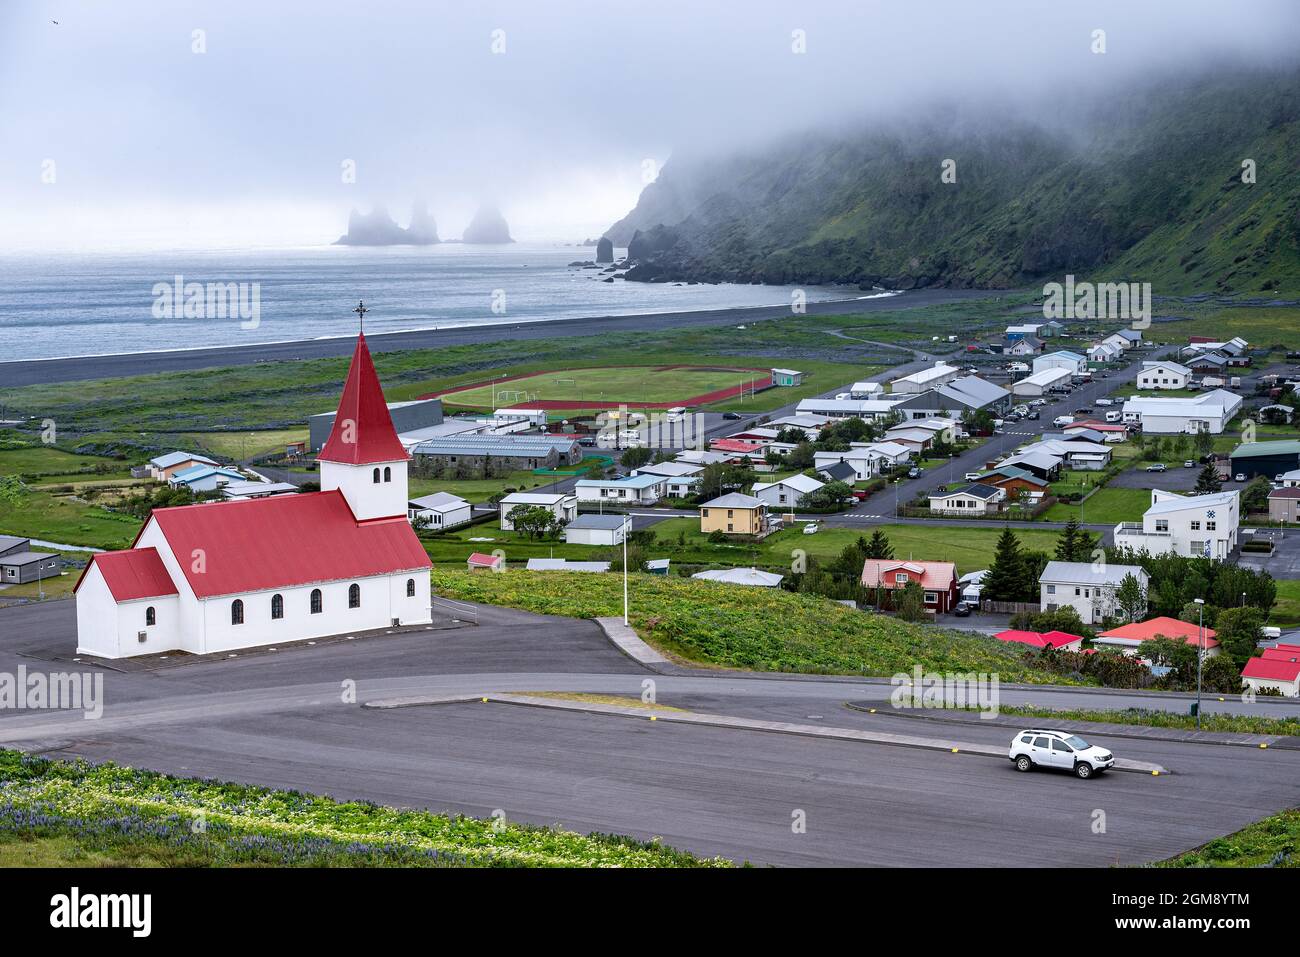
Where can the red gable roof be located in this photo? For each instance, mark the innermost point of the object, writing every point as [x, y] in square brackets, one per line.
[132, 574]
[282, 541]
[932, 575]
[1154, 627]
[363, 430]
[1280, 654]
[1271, 670]
[735, 445]
[1049, 639]
[486, 561]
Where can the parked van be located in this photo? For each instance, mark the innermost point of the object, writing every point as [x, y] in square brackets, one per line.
[1114, 415]
[1062, 420]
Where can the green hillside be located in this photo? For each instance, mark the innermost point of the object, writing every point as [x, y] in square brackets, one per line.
[1146, 187]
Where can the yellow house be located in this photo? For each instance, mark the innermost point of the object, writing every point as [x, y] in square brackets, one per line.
[734, 514]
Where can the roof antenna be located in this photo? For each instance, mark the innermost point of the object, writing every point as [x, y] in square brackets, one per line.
[361, 311]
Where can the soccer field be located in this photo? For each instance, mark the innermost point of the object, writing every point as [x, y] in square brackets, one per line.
[607, 386]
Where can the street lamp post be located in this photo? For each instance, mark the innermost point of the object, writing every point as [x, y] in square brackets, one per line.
[1200, 648]
[625, 621]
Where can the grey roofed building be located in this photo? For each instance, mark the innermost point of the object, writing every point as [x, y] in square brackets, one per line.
[530, 450]
[17, 568]
[735, 500]
[565, 565]
[14, 544]
[1088, 573]
[975, 490]
[597, 520]
[840, 472]
[413, 414]
[438, 502]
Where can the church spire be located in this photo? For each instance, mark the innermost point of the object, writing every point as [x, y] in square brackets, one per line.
[363, 430]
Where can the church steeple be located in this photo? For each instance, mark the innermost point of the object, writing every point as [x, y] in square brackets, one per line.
[363, 458]
[363, 430]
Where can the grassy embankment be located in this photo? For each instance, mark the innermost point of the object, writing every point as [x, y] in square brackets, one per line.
[1272, 842]
[55, 814]
[759, 629]
[971, 548]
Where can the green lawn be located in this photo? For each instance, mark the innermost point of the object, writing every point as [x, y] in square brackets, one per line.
[603, 387]
[46, 460]
[480, 490]
[1286, 608]
[240, 446]
[68, 522]
[1106, 505]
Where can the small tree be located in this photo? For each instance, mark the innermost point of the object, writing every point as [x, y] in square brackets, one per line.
[533, 521]
[879, 546]
[1221, 674]
[1238, 632]
[909, 602]
[1130, 598]
[1006, 575]
[636, 457]
[1208, 482]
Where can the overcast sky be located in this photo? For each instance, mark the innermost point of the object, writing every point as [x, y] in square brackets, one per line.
[152, 143]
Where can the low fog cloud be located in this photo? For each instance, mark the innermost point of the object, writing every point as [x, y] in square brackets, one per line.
[185, 123]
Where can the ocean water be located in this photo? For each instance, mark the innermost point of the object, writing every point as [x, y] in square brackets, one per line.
[104, 303]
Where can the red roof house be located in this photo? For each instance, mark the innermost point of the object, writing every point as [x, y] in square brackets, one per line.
[478, 562]
[938, 579]
[1261, 673]
[1134, 633]
[1061, 640]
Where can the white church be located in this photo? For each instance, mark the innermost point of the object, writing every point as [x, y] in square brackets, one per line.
[220, 576]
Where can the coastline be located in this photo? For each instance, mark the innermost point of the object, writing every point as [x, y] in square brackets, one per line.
[24, 372]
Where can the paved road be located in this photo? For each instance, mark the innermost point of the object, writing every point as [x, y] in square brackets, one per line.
[278, 718]
[32, 372]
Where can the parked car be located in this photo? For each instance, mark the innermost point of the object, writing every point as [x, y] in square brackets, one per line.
[1083, 411]
[1104, 401]
[1189, 464]
[1035, 415]
[1036, 748]
[810, 529]
[731, 415]
[961, 609]
[1239, 477]
[973, 476]
[915, 471]
[1157, 467]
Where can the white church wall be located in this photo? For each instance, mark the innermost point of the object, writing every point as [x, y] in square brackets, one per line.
[97, 618]
[367, 498]
[190, 624]
[378, 609]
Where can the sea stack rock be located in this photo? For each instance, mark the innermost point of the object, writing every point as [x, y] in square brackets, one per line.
[375, 228]
[487, 227]
[423, 230]
[645, 243]
[605, 250]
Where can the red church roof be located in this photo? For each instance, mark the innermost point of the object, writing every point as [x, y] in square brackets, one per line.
[363, 430]
[132, 574]
[282, 541]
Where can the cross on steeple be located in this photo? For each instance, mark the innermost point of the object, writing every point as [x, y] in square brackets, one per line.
[361, 311]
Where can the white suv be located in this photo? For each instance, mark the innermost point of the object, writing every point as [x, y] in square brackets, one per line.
[1058, 749]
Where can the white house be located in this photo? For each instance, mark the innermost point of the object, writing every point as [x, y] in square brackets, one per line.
[680, 478]
[535, 418]
[1040, 382]
[849, 408]
[931, 378]
[222, 576]
[633, 490]
[968, 500]
[1273, 672]
[1189, 525]
[163, 467]
[866, 390]
[1163, 375]
[439, 510]
[1104, 352]
[1124, 339]
[1208, 412]
[1071, 362]
[1086, 587]
[563, 506]
[205, 478]
[787, 492]
[866, 458]
[592, 529]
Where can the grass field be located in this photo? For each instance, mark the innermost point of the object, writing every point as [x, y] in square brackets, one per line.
[1286, 608]
[48, 461]
[1106, 505]
[68, 522]
[243, 445]
[477, 490]
[1273, 842]
[602, 387]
